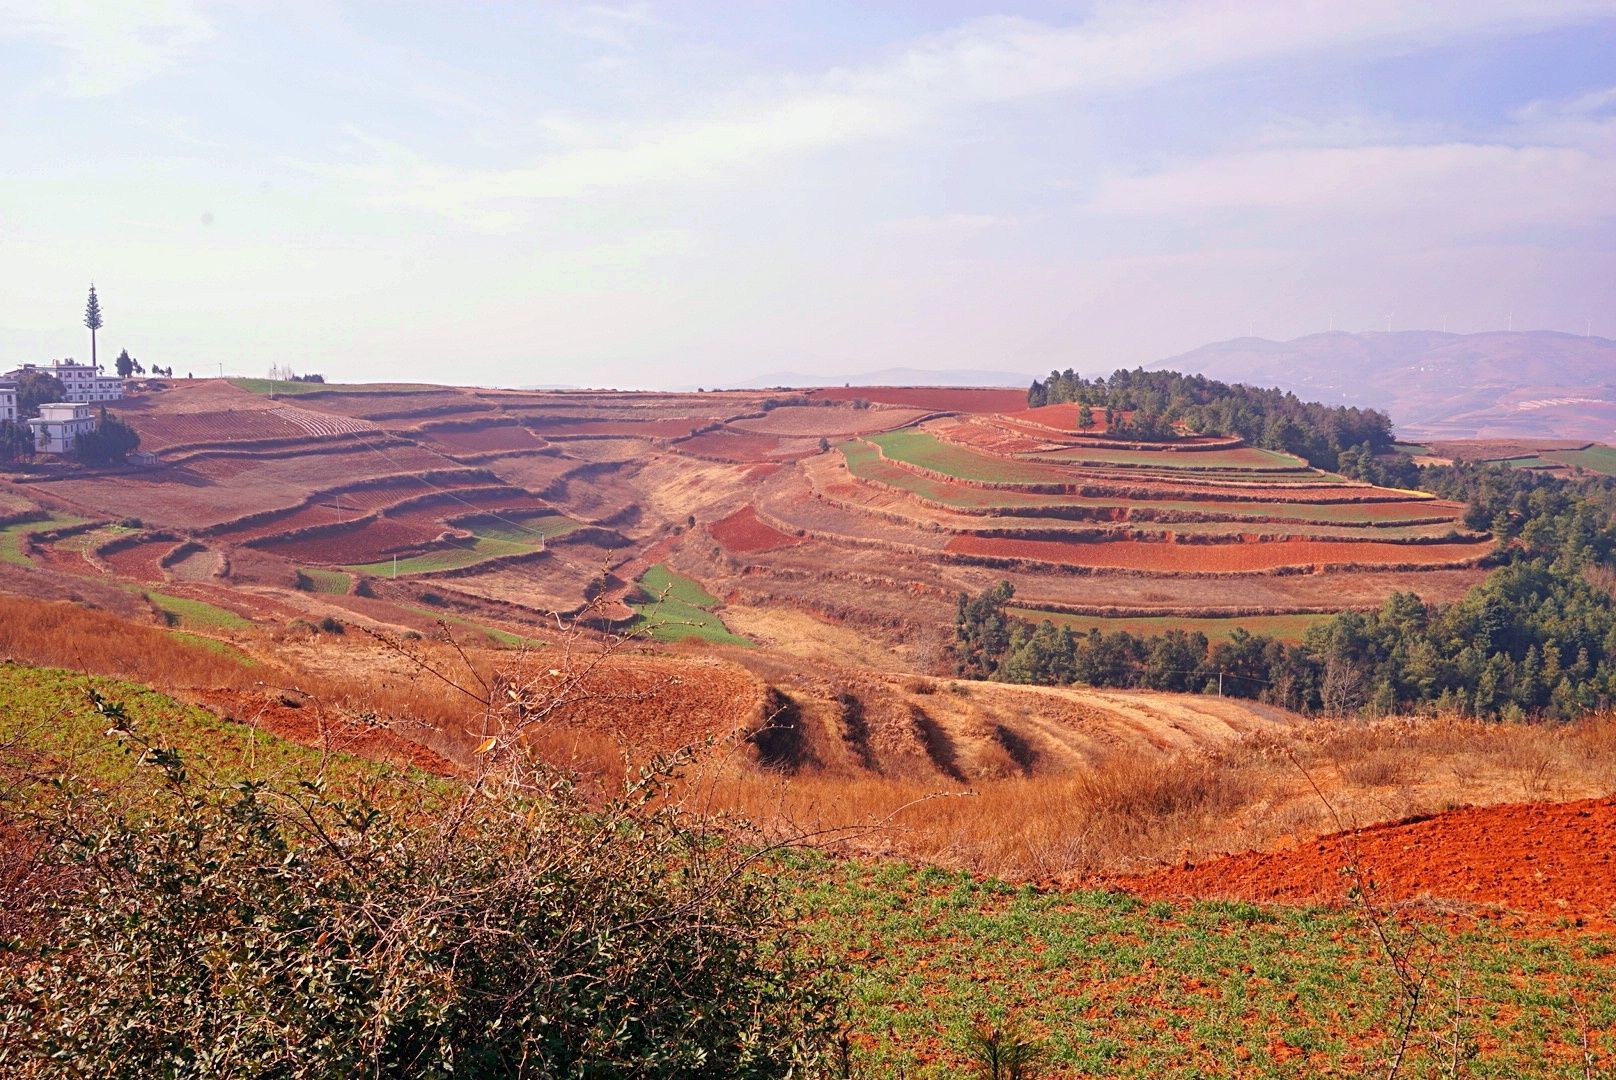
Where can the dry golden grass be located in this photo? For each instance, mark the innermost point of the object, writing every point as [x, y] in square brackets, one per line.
[1131, 813]
[68, 635]
[1128, 809]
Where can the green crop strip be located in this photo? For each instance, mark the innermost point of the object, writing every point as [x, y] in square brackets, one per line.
[674, 608]
[13, 535]
[188, 612]
[491, 540]
[1216, 628]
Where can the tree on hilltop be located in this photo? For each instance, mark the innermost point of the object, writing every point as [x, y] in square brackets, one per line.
[1085, 416]
[127, 365]
[110, 442]
[92, 319]
[36, 388]
[16, 441]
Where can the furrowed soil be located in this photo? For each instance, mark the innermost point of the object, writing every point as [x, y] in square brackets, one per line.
[1552, 860]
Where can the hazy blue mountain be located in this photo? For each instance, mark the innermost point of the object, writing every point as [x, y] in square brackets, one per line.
[1521, 384]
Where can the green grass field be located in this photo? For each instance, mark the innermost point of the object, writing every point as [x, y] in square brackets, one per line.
[1216, 629]
[1112, 986]
[1243, 457]
[11, 536]
[929, 452]
[197, 613]
[490, 539]
[330, 582]
[864, 463]
[675, 609]
[1414, 449]
[1599, 459]
[48, 713]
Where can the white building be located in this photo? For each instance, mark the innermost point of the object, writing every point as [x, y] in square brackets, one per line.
[8, 401]
[58, 426]
[83, 382]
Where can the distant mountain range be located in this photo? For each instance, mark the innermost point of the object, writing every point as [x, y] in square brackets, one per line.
[887, 377]
[1527, 384]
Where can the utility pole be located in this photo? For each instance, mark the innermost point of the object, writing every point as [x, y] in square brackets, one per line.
[395, 564]
[1220, 684]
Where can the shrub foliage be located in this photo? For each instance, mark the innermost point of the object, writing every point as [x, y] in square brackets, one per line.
[513, 931]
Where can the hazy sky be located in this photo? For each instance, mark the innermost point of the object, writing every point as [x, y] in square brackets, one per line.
[690, 193]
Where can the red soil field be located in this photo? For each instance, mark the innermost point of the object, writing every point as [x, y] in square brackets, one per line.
[370, 542]
[1549, 859]
[742, 533]
[481, 440]
[311, 725]
[332, 507]
[931, 398]
[138, 562]
[474, 503]
[1063, 416]
[384, 495]
[726, 445]
[367, 404]
[1216, 558]
[325, 512]
[317, 471]
[158, 431]
[649, 429]
[811, 421]
[996, 440]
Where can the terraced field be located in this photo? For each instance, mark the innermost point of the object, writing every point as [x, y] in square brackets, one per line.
[925, 493]
[491, 538]
[1216, 628]
[1241, 458]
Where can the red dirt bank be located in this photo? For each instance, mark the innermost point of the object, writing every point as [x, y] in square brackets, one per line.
[1545, 859]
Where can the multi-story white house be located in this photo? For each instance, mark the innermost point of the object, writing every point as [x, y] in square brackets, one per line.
[58, 426]
[83, 382]
[8, 401]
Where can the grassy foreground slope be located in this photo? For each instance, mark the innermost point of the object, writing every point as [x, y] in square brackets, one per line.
[46, 720]
[1106, 983]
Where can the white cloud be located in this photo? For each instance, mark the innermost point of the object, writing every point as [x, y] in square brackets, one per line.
[984, 61]
[108, 45]
[1453, 189]
[614, 26]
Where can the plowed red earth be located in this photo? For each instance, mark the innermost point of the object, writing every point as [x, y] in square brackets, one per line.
[935, 398]
[1062, 416]
[288, 422]
[649, 429]
[488, 439]
[1217, 558]
[1549, 859]
[311, 725]
[138, 562]
[734, 446]
[364, 543]
[743, 533]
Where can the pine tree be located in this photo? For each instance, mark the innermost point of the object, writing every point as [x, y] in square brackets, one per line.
[92, 319]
